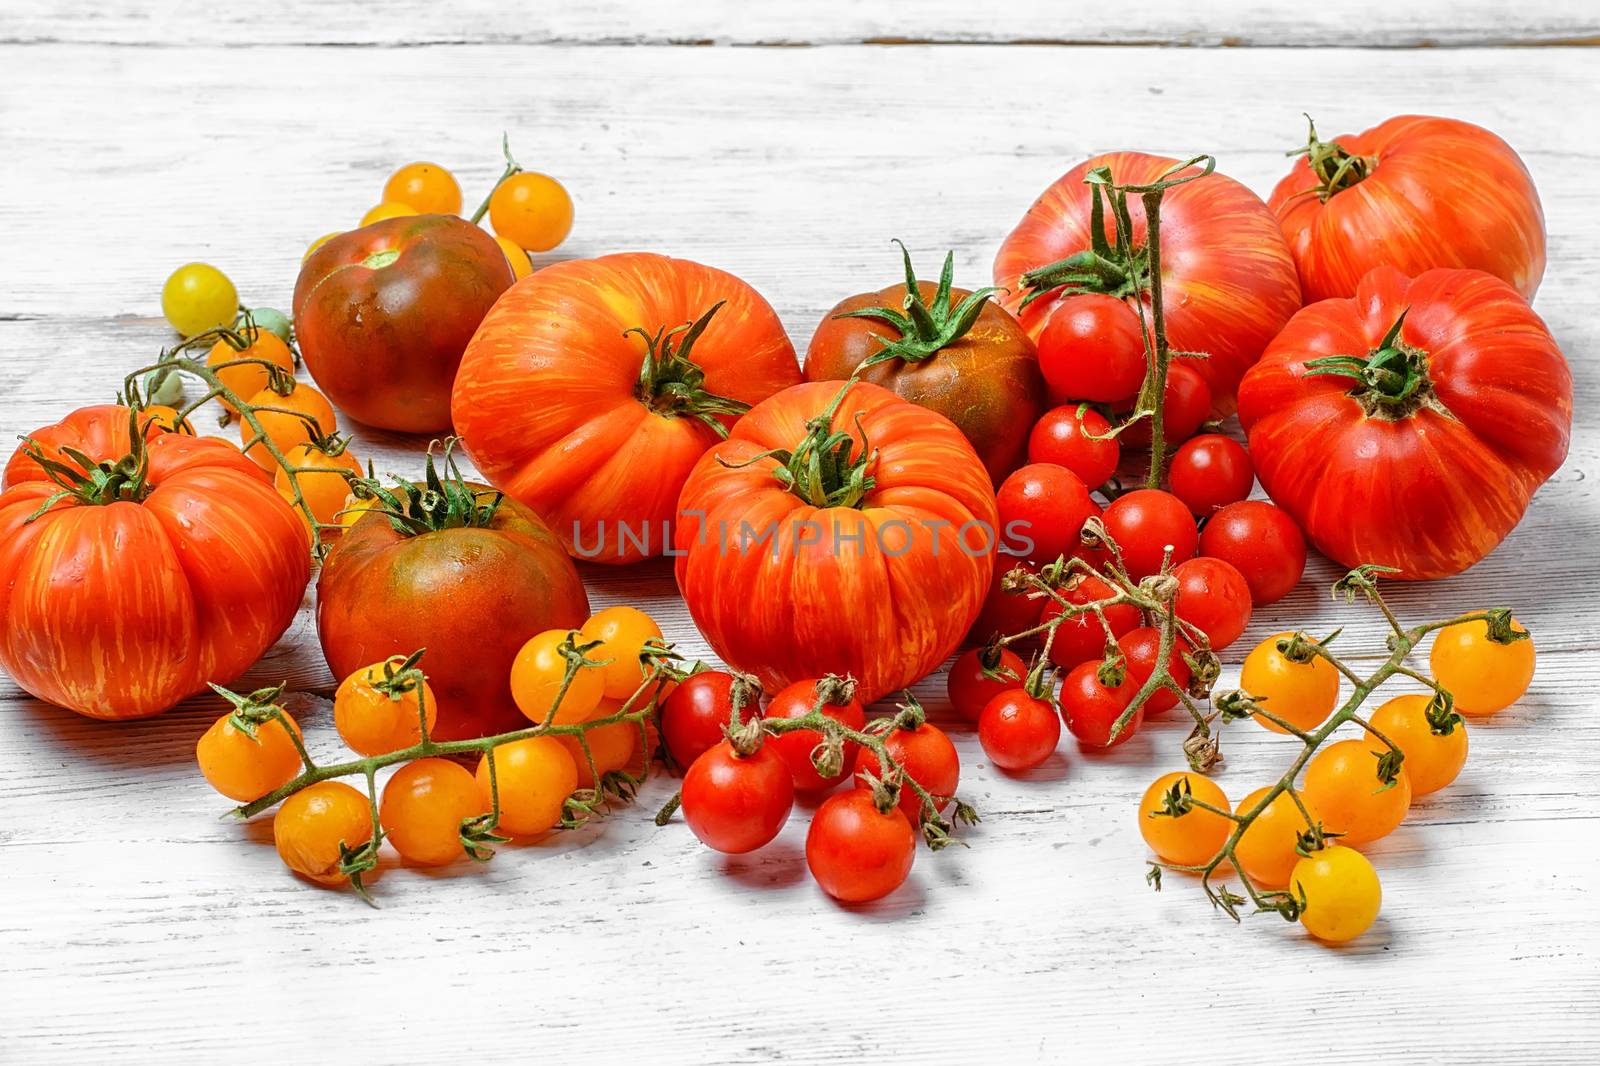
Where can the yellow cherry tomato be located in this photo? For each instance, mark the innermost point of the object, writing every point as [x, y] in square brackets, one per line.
[288, 421]
[423, 807]
[521, 265]
[198, 297]
[622, 632]
[245, 768]
[320, 480]
[1266, 852]
[382, 211]
[1342, 781]
[612, 746]
[247, 379]
[1432, 758]
[311, 825]
[165, 416]
[376, 714]
[532, 210]
[536, 676]
[1341, 892]
[318, 243]
[1484, 677]
[1302, 694]
[427, 187]
[354, 507]
[534, 777]
[1193, 837]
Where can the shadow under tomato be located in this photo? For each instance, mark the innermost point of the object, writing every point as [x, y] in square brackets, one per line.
[908, 898]
[1055, 768]
[777, 865]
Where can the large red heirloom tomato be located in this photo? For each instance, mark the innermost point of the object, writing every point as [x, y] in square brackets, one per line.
[594, 385]
[459, 570]
[383, 313]
[163, 563]
[838, 530]
[1409, 426]
[950, 350]
[1413, 193]
[1228, 280]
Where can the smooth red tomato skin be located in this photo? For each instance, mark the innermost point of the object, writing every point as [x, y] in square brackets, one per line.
[1018, 732]
[383, 341]
[1042, 509]
[382, 593]
[987, 382]
[856, 852]
[971, 690]
[1188, 404]
[694, 715]
[1209, 472]
[1091, 348]
[1442, 193]
[121, 610]
[737, 803]
[1140, 648]
[796, 701]
[1228, 277]
[1082, 637]
[547, 394]
[1434, 490]
[884, 592]
[1144, 522]
[1214, 597]
[1063, 437]
[1091, 708]
[1005, 612]
[927, 756]
[1262, 542]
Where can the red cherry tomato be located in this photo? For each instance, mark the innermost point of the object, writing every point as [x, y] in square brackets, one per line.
[1139, 649]
[927, 756]
[1262, 542]
[1091, 348]
[1213, 596]
[1209, 472]
[1064, 437]
[796, 701]
[1187, 405]
[856, 852]
[1005, 612]
[737, 803]
[1091, 707]
[971, 687]
[1042, 509]
[1018, 731]
[1082, 637]
[1144, 523]
[695, 713]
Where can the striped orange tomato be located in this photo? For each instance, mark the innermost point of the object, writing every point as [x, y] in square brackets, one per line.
[837, 532]
[129, 583]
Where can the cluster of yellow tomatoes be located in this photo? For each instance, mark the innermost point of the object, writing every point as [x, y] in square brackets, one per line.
[386, 707]
[1341, 789]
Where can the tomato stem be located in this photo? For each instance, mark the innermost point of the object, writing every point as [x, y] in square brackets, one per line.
[1334, 167]
[924, 328]
[672, 385]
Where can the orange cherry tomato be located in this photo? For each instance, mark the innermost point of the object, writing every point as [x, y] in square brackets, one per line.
[534, 777]
[245, 768]
[318, 243]
[165, 417]
[423, 807]
[612, 746]
[521, 265]
[1193, 837]
[1342, 781]
[426, 187]
[321, 483]
[287, 430]
[1484, 677]
[536, 676]
[247, 379]
[1302, 694]
[1432, 758]
[532, 210]
[379, 212]
[376, 710]
[1266, 852]
[311, 825]
[622, 632]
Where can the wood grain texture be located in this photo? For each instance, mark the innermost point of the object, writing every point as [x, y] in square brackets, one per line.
[137, 926]
[414, 23]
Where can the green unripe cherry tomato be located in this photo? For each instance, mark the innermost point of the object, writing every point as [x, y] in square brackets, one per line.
[269, 319]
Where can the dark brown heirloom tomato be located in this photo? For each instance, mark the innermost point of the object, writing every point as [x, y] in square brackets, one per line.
[946, 349]
[384, 312]
[463, 572]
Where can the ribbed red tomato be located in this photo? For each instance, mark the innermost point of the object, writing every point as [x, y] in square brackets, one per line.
[168, 565]
[840, 531]
[593, 386]
[1227, 276]
[1414, 193]
[1410, 426]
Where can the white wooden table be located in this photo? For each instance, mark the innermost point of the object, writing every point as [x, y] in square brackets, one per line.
[787, 145]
